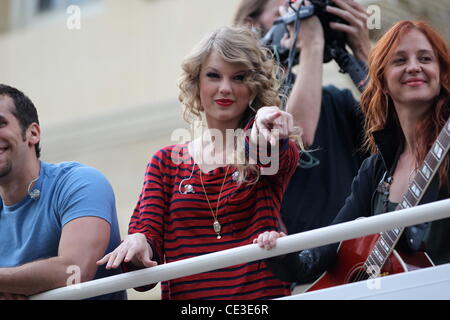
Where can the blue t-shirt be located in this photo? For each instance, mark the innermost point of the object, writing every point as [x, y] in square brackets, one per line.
[30, 229]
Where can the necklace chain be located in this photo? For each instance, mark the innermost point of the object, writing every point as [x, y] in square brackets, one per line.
[216, 225]
[411, 175]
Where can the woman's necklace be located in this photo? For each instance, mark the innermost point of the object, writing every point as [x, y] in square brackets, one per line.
[411, 175]
[216, 225]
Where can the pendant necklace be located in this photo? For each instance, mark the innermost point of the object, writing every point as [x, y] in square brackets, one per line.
[216, 225]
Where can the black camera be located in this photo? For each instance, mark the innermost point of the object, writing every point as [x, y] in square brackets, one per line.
[335, 41]
[333, 38]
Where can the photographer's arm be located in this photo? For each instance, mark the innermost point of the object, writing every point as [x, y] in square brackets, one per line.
[305, 99]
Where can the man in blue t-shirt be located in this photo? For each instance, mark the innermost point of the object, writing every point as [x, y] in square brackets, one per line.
[56, 220]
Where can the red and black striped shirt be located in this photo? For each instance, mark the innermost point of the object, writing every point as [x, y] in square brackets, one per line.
[179, 226]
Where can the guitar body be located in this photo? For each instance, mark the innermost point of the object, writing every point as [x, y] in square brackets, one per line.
[360, 259]
[350, 259]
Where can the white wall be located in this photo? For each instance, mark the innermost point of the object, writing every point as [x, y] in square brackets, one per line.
[106, 94]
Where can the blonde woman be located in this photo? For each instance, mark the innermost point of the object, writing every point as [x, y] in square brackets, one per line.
[210, 194]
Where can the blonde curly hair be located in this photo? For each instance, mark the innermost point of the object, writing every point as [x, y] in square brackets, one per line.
[235, 45]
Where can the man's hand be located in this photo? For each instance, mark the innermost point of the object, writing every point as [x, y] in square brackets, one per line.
[311, 31]
[356, 29]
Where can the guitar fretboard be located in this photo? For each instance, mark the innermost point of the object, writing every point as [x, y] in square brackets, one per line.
[388, 239]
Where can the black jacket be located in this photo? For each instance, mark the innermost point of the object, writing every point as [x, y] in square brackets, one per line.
[309, 264]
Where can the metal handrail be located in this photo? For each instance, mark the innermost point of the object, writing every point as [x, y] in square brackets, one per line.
[252, 252]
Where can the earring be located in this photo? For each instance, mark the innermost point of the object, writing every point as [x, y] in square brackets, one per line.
[251, 107]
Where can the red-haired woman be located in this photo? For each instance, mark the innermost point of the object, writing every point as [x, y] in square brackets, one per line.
[406, 104]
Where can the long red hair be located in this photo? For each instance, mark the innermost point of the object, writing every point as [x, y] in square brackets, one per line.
[377, 104]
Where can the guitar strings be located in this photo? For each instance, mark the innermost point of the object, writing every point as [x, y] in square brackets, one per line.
[370, 260]
[363, 273]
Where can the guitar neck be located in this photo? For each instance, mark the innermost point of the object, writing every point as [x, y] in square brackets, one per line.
[422, 179]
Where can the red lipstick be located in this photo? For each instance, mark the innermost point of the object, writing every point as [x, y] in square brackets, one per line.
[224, 102]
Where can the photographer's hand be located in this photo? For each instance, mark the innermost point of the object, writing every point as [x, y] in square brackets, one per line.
[356, 30]
[304, 102]
[311, 31]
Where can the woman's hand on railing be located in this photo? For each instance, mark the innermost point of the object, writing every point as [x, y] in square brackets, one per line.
[268, 239]
[134, 249]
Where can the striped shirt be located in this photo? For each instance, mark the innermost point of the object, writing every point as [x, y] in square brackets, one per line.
[180, 226]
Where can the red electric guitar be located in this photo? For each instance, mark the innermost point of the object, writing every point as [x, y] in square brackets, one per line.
[374, 255]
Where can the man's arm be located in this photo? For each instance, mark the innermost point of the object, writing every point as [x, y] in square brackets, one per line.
[356, 27]
[305, 99]
[83, 242]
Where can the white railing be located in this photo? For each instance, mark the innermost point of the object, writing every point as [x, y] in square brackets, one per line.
[252, 252]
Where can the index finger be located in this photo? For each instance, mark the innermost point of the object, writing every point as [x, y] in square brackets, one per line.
[347, 11]
[282, 10]
[274, 116]
[346, 15]
[355, 5]
[103, 260]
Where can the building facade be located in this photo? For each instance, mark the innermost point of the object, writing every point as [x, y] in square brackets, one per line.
[103, 75]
